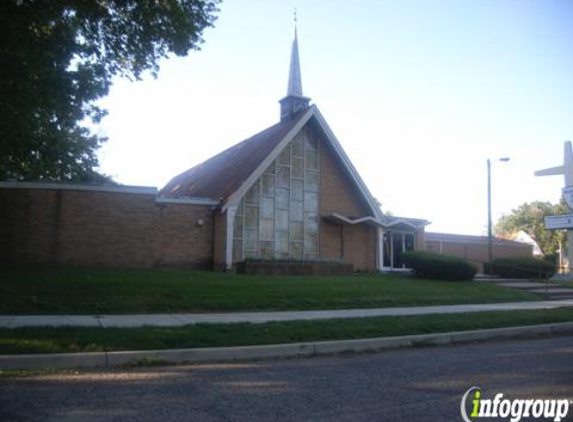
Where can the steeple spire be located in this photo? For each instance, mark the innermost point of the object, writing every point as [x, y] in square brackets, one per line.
[294, 100]
[294, 79]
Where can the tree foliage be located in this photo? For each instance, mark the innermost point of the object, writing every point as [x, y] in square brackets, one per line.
[58, 57]
[529, 217]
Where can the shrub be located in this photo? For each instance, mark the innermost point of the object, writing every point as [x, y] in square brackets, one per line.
[521, 267]
[442, 267]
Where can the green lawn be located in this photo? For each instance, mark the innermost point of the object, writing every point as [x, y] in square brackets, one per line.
[57, 340]
[78, 291]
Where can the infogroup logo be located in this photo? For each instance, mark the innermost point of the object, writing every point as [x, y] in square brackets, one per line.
[514, 410]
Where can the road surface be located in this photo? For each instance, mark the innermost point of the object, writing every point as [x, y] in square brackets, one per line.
[420, 384]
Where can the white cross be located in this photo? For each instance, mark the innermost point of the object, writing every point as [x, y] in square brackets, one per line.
[566, 169]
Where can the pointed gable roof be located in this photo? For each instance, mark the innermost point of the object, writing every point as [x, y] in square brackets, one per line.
[222, 175]
[227, 176]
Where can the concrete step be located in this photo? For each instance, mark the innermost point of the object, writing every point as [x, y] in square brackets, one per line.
[508, 280]
[558, 297]
[553, 290]
[526, 285]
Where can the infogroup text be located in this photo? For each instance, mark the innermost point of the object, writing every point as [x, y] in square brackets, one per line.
[514, 409]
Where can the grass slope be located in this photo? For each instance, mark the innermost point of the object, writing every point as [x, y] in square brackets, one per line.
[81, 291]
[57, 340]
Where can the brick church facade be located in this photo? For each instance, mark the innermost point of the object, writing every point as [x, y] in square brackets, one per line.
[289, 192]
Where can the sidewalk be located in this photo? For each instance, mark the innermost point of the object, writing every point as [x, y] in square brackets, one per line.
[173, 320]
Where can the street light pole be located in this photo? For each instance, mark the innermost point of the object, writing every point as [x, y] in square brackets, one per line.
[489, 222]
[489, 225]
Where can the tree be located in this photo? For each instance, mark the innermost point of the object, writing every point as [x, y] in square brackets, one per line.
[529, 217]
[58, 57]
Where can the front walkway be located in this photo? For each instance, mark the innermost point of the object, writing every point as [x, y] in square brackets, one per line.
[545, 289]
[173, 320]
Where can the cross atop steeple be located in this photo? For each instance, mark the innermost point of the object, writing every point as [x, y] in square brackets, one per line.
[294, 100]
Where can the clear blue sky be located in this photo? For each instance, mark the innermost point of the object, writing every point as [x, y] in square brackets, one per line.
[419, 93]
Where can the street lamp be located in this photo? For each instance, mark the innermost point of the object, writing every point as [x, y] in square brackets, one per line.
[489, 225]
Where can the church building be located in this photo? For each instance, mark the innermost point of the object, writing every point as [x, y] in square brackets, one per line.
[290, 192]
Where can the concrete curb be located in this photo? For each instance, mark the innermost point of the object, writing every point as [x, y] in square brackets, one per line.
[245, 353]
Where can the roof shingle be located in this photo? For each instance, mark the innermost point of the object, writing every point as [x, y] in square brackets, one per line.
[221, 175]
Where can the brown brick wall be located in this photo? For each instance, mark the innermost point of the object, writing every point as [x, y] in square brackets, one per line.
[338, 194]
[183, 242]
[360, 247]
[219, 240]
[28, 229]
[88, 228]
[420, 240]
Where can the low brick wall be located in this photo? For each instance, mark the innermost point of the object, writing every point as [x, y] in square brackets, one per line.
[293, 268]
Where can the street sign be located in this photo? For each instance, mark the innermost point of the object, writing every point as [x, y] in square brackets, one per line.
[558, 222]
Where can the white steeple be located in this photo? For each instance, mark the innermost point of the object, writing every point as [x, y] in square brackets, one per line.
[294, 100]
[294, 79]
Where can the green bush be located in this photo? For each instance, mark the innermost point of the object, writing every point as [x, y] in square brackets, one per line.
[521, 267]
[441, 267]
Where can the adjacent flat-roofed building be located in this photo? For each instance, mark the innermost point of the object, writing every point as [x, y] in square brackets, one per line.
[475, 248]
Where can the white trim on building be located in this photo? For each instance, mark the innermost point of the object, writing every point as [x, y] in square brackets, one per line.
[190, 200]
[312, 112]
[231, 212]
[80, 187]
[140, 190]
[348, 164]
[236, 197]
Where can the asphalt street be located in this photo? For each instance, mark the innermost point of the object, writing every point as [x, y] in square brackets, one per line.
[420, 384]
